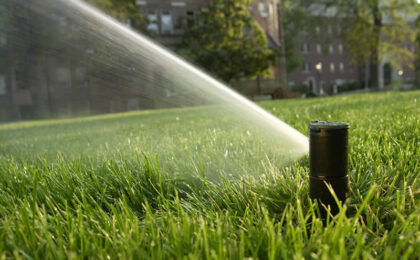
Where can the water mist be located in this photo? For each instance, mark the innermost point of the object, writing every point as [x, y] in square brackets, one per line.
[67, 59]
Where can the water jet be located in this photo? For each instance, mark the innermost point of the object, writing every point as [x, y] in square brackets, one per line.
[80, 61]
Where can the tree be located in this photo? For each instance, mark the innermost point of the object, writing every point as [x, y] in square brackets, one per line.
[125, 11]
[226, 41]
[417, 64]
[294, 19]
[282, 48]
[373, 30]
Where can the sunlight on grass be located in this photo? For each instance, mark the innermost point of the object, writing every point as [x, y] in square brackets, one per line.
[67, 192]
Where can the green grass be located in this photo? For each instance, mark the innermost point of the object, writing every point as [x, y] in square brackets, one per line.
[124, 186]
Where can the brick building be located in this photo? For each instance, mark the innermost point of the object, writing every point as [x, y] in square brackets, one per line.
[53, 80]
[327, 66]
[166, 16]
[60, 84]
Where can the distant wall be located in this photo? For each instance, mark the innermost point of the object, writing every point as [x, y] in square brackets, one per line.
[252, 88]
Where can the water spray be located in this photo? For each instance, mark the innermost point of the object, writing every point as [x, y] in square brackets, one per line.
[328, 163]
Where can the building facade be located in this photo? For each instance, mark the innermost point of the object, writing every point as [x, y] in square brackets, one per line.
[326, 64]
[63, 80]
[327, 68]
[166, 17]
[60, 77]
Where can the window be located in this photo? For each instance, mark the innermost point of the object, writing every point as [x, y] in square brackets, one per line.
[79, 78]
[340, 48]
[141, 2]
[335, 89]
[307, 67]
[63, 77]
[153, 26]
[305, 48]
[128, 23]
[79, 73]
[86, 108]
[3, 90]
[169, 93]
[112, 106]
[81, 108]
[331, 48]
[317, 30]
[62, 21]
[26, 112]
[311, 84]
[261, 9]
[341, 67]
[319, 48]
[166, 21]
[332, 67]
[3, 38]
[304, 30]
[321, 87]
[64, 111]
[132, 104]
[178, 4]
[21, 79]
[190, 19]
[340, 82]
[270, 9]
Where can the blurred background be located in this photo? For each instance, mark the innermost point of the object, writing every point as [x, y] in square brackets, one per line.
[264, 49]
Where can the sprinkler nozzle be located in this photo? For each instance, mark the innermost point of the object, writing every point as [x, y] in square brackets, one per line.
[328, 163]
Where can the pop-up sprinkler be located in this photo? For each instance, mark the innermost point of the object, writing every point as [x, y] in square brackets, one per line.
[328, 163]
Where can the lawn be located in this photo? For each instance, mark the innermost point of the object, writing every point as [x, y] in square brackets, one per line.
[192, 183]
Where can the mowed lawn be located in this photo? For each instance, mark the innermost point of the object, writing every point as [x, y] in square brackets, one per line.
[165, 185]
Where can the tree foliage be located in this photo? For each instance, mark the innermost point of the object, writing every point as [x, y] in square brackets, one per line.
[226, 41]
[125, 11]
[381, 26]
[417, 62]
[293, 22]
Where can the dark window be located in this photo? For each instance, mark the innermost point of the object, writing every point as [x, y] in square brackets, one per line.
[26, 112]
[190, 18]
[307, 67]
[63, 77]
[22, 77]
[305, 48]
[3, 85]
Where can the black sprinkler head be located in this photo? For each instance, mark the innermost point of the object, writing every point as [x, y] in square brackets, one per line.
[328, 163]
